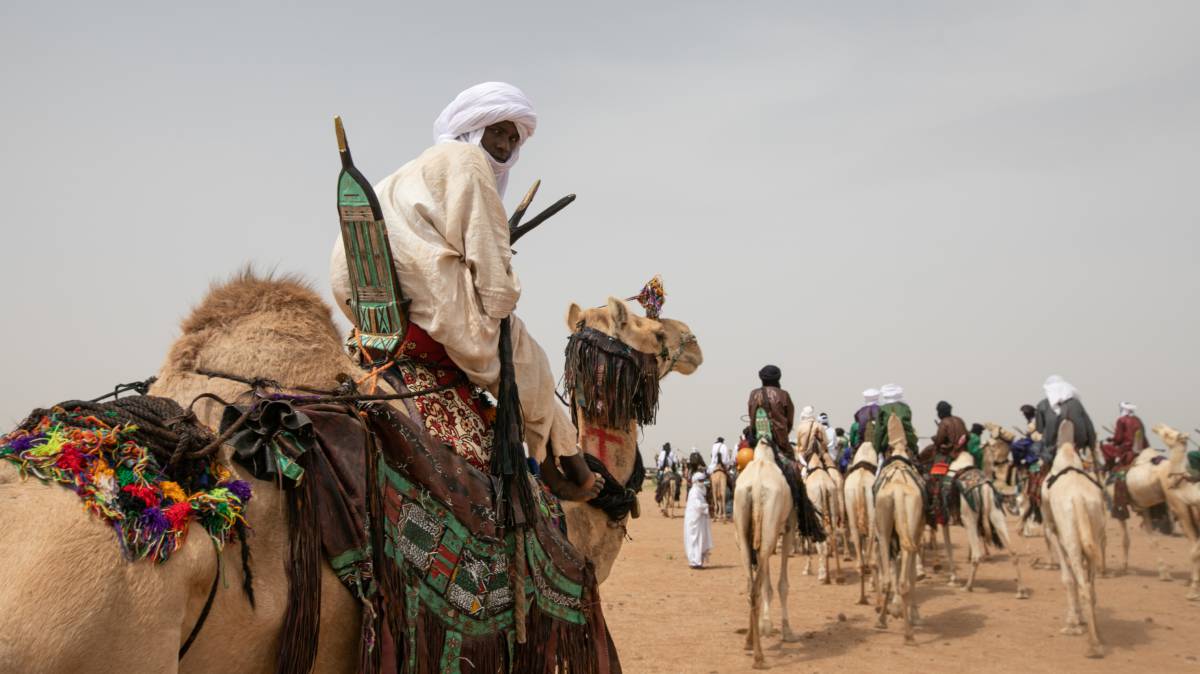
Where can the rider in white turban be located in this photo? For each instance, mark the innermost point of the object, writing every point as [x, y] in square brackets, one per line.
[891, 393]
[1128, 409]
[450, 241]
[871, 396]
[472, 112]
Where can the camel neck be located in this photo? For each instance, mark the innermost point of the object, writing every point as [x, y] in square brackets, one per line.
[614, 447]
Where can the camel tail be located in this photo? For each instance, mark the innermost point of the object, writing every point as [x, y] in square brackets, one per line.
[987, 505]
[1087, 537]
[903, 528]
[754, 536]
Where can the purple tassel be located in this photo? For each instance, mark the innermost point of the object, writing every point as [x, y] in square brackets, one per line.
[23, 442]
[240, 489]
[153, 523]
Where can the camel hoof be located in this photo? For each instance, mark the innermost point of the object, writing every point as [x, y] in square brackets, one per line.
[1193, 595]
[1022, 593]
[1095, 652]
[863, 602]
[910, 640]
[881, 625]
[789, 637]
[760, 664]
[1073, 630]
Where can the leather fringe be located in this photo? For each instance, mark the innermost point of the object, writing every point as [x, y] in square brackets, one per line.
[613, 384]
[298, 643]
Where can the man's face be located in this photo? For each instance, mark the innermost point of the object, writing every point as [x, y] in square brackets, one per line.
[500, 139]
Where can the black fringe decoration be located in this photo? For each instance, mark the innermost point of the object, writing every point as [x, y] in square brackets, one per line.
[514, 502]
[612, 383]
[247, 574]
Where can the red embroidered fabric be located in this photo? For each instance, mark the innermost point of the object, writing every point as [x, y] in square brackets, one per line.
[462, 416]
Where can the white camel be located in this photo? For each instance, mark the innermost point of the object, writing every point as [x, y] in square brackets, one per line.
[762, 513]
[860, 513]
[982, 517]
[899, 511]
[1183, 497]
[1073, 512]
[824, 486]
[720, 486]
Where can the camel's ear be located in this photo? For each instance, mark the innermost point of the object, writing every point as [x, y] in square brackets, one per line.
[574, 315]
[619, 312]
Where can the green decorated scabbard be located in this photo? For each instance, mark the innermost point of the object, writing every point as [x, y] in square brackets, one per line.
[376, 301]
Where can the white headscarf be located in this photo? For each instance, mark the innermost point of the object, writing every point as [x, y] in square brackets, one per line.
[871, 395]
[1058, 390]
[823, 418]
[806, 413]
[891, 393]
[477, 108]
[1127, 409]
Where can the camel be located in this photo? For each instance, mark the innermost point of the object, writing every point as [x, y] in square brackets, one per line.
[589, 529]
[763, 512]
[1073, 512]
[1182, 496]
[999, 450]
[720, 485]
[670, 483]
[983, 519]
[67, 565]
[824, 486]
[860, 512]
[899, 511]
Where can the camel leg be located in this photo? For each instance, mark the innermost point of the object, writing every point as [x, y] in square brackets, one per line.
[837, 558]
[1073, 625]
[1124, 546]
[783, 591]
[974, 545]
[1194, 556]
[1000, 526]
[823, 559]
[883, 534]
[905, 588]
[756, 586]
[862, 569]
[768, 595]
[949, 554]
[1087, 587]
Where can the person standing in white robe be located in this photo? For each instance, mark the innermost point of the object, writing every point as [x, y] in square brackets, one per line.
[697, 527]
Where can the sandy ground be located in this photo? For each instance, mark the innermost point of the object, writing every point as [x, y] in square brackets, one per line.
[666, 617]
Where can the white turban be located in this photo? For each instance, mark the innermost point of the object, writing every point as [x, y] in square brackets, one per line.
[871, 395]
[1127, 409]
[1057, 391]
[806, 413]
[891, 393]
[477, 108]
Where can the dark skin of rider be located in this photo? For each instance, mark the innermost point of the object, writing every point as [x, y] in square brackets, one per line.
[568, 477]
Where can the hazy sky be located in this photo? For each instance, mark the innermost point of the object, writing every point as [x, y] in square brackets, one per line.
[960, 199]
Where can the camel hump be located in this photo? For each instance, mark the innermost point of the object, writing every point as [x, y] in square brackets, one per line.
[1066, 432]
[896, 437]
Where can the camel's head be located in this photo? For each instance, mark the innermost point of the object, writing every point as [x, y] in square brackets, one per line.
[671, 341]
[1172, 437]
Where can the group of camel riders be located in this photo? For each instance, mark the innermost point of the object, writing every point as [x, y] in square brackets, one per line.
[952, 437]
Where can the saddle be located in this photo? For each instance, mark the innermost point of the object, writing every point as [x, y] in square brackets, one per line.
[440, 578]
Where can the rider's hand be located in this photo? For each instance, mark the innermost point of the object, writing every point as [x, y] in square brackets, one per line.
[593, 490]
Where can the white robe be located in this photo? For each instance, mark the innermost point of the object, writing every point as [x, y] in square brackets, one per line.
[697, 528]
[449, 238]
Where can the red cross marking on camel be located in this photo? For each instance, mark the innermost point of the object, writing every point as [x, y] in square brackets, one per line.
[596, 441]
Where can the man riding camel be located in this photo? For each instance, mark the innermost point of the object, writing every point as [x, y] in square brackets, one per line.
[891, 403]
[1062, 402]
[449, 238]
[866, 417]
[1129, 438]
[780, 410]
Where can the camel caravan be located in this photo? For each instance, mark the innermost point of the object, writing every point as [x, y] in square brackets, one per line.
[883, 501]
